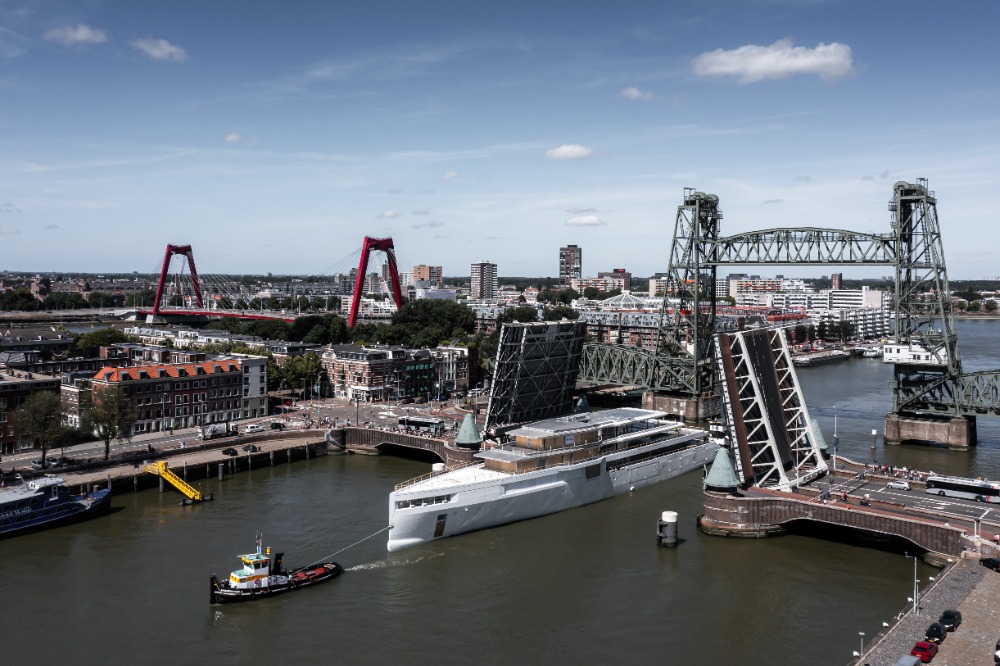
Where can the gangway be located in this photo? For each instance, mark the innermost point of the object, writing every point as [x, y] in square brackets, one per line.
[192, 494]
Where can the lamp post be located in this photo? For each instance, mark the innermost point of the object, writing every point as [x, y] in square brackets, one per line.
[916, 607]
[836, 440]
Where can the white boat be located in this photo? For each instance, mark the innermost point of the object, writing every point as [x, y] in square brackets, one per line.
[545, 467]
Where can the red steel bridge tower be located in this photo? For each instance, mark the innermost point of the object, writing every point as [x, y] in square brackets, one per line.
[370, 245]
[186, 251]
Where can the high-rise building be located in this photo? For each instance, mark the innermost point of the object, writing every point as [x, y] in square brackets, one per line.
[433, 274]
[837, 281]
[570, 264]
[484, 281]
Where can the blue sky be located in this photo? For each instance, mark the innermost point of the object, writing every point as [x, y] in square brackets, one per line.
[273, 136]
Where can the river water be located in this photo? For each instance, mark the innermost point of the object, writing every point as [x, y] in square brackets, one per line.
[588, 585]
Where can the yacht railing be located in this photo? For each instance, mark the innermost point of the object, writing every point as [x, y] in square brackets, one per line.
[424, 477]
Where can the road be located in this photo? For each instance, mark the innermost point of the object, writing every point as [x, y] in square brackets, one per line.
[337, 410]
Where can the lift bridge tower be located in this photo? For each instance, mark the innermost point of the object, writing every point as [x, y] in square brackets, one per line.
[932, 399]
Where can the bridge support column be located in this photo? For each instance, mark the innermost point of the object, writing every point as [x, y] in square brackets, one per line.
[958, 433]
[685, 407]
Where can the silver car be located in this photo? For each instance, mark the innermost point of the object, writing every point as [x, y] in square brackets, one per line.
[898, 485]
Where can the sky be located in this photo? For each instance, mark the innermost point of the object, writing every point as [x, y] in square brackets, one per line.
[275, 136]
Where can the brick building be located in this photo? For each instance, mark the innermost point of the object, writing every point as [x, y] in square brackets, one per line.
[183, 395]
[15, 387]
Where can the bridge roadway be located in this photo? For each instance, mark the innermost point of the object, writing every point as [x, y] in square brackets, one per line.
[376, 440]
[943, 527]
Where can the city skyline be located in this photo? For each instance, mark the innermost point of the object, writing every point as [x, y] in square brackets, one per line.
[273, 141]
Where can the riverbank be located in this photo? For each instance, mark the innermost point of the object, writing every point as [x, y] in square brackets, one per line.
[965, 586]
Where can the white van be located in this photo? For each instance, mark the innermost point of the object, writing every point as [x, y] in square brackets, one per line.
[253, 428]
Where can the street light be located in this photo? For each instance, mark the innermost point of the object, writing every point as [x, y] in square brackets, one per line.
[916, 607]
[836, 440]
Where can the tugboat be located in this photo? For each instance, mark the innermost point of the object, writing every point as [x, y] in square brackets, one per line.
[263, 577]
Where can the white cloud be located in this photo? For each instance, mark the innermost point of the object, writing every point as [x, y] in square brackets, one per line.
[774, 201]
[233, 137]
[51, 226]
[584, 221]
[9, 232]
[780, 60]
[421, 211]
[388, 214]
[580, 211]
[633, 94]
[74, 35]
[160, 49]
[569, 152]
[450, 175]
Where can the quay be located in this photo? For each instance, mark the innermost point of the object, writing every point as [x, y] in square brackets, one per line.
[962, 585]
[203, 460]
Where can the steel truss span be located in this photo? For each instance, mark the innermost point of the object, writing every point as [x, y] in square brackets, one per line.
[535, 373]
[922, 307]
[765, 410]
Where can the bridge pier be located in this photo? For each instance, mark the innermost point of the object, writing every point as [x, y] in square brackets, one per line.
[685, 407]
[957, 433]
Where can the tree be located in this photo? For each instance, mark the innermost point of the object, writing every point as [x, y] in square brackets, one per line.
[991, 306]
[110, 416]
[39, 420]
[559, 312]
[100, 338]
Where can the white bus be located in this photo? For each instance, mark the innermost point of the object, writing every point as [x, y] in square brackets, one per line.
[973, 489]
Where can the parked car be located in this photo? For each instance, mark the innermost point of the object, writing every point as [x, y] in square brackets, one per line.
[896, 484]
[230, 452]
[253, 428]
[936, 633]
[251, 448]
[277, 425]
[925, 650]
[908, 660]
[950, 619]
[991, 563]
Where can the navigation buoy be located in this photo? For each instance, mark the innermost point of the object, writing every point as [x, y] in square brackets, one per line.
[666, 529]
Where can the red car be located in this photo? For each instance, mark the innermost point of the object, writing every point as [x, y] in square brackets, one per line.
[925, 650]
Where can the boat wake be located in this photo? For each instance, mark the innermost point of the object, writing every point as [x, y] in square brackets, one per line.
[392, 564]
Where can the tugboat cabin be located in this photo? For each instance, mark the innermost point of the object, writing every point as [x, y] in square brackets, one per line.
[256, 569]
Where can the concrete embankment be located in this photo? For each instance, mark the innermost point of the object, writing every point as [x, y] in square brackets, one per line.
[205, 460]
[963, 585]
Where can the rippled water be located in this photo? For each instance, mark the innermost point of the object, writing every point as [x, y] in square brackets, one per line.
[588, 585]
